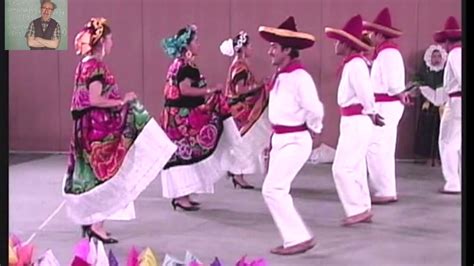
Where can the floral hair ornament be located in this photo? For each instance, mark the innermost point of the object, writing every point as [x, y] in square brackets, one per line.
[175, 46]
[89, 36]
[227, 47]
[243, 37]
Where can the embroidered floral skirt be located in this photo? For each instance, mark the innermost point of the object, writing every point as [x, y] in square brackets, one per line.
[204, 136]
[115, 153]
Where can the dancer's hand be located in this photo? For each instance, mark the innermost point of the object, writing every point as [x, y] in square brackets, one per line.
[414, 92]
[219, 87]
[316, 139]
[129, 96]
[405, 98]
[413, 89]
[425, 106]
[377, 120]
[212, 91]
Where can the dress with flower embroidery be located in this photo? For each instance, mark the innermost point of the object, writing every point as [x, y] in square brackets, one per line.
[101, 136]
[115, 152]
[193, 123]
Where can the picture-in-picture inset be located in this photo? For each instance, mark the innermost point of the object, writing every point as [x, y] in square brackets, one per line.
[36, 25]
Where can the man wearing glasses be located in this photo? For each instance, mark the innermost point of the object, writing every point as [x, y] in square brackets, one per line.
[44, 33]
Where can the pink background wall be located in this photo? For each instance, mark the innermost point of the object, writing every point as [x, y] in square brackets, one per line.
[41, 82]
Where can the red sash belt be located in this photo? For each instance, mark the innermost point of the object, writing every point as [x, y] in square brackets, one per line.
[279, 129]
[384, 97]
[355, 109]
[455, 94]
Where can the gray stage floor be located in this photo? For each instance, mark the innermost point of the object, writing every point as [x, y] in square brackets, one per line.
[423, 228]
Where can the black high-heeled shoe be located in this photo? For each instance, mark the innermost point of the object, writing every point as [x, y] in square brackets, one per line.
[236, 183]
[194, 203]
[176, 204]
[86, 227]
[108, 240]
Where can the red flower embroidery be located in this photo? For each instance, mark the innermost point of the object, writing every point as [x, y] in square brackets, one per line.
[207, 136]
[106, 158]
[171, 92]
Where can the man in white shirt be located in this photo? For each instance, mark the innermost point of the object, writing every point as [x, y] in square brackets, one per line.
[388, 81]
[294, 110]
[450, 128]
[356, 99]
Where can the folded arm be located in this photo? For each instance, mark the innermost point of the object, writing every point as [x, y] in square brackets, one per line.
[34, 43]
[309, 101]
[54, 44]
[359, 79]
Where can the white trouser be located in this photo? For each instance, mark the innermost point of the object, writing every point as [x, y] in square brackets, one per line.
[350, 168]
[450, 135]
[288, 155]
[381, 153]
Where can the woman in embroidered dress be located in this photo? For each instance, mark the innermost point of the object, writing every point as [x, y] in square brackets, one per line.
[248, 99]
[197, 119]
[117, 149]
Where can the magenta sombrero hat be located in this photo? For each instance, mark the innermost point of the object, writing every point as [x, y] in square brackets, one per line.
[287, 35]
[351, 34]
[451, 31]
[383, 24]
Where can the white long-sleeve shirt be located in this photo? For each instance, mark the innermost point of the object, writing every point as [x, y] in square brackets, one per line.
[452, 78]
[294, 101]
[388, 72]
[355, 86]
